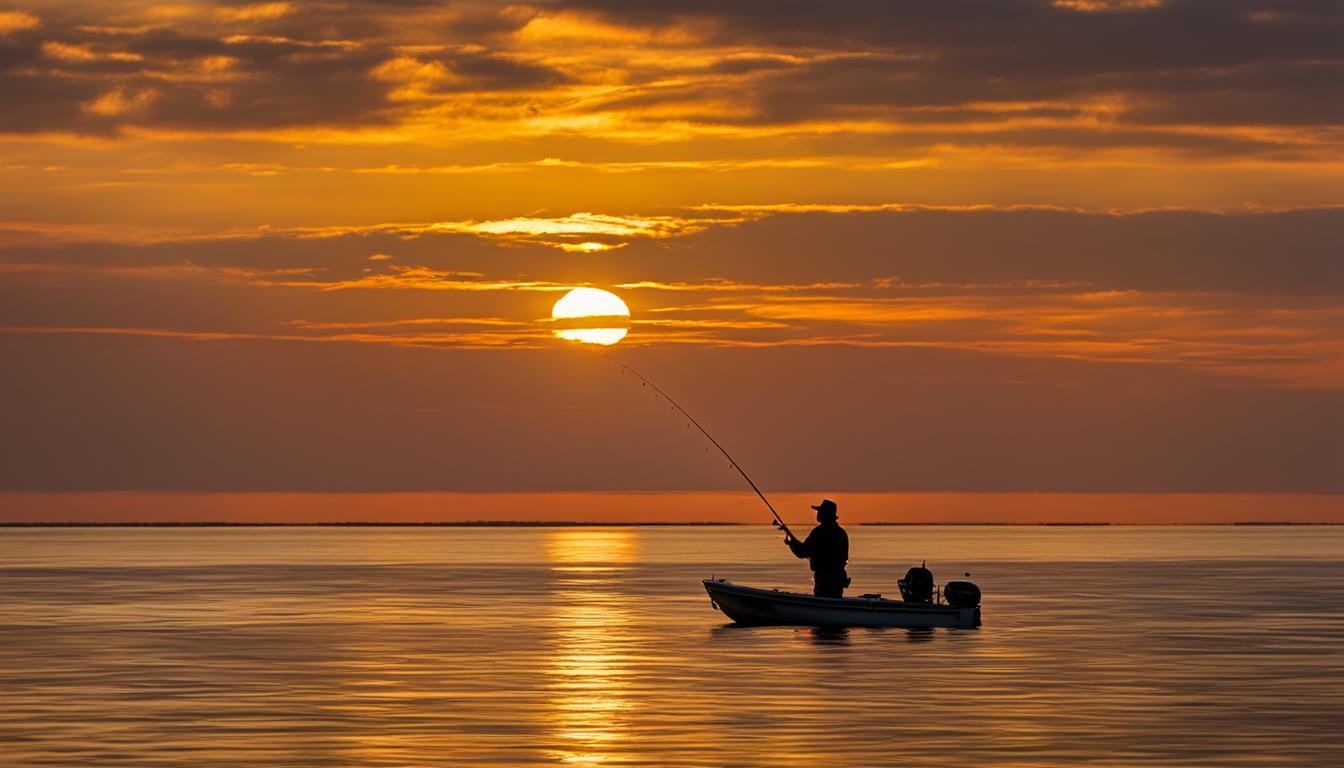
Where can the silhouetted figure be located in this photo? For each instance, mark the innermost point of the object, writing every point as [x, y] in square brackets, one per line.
[827, 549]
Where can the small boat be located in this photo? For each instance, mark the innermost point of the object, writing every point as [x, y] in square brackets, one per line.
[752, 605]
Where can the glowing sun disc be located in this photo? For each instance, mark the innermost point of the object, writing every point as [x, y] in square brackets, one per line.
[590, 302]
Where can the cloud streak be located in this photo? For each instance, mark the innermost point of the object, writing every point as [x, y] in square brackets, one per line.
[1205, 309]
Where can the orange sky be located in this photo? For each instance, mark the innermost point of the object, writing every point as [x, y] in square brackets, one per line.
[973, 245]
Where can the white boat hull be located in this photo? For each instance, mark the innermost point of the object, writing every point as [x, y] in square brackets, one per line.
[750, 605]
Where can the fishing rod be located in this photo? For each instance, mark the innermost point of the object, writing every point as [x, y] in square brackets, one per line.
[779, 522]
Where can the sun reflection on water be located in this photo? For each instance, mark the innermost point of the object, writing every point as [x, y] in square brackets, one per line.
[589, 671]
[590, 549]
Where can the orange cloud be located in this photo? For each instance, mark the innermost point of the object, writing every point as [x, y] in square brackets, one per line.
[119, 102]
[255, 12]
[1107, 6]
[423, 278]
[14, 21]
[729, 286]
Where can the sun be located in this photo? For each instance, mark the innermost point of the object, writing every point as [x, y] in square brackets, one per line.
[600, 314]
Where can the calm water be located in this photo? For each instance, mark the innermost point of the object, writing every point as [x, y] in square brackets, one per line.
[430, 647]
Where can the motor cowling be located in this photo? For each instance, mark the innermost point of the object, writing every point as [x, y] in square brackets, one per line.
[917, 586]
[961, 594]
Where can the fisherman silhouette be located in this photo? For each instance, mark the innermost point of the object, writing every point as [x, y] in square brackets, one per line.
[827, 549]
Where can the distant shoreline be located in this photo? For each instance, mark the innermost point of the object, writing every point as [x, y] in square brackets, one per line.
[616, 524]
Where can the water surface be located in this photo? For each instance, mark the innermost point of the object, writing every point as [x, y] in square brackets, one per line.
[575, 646]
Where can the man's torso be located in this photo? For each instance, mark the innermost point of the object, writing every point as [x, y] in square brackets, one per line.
[829, 545]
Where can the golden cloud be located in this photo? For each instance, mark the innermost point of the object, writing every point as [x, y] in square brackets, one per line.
[15, 21]
[1108, 6]
[119, 102]
[255, 12]
[573, 233]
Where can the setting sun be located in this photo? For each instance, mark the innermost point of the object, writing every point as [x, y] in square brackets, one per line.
[602, 307]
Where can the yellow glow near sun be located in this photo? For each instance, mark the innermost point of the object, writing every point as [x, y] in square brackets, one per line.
[595, 303]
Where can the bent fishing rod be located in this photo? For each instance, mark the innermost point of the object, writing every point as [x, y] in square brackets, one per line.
[778, 522]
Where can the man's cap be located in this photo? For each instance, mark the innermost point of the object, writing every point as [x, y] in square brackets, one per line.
[826, 506]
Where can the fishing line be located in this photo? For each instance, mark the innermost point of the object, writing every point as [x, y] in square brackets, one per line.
[644, 381]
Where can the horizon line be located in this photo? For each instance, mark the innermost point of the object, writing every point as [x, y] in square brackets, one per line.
[627, 524]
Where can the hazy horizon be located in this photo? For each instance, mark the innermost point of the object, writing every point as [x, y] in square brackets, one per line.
[668, 507]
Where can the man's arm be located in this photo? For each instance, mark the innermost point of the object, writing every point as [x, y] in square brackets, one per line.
[801, 549]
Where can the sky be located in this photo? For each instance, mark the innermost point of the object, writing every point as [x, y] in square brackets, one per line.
[965, 247]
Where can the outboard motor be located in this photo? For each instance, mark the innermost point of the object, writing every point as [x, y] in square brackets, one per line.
[961, 594]
[917, 586]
